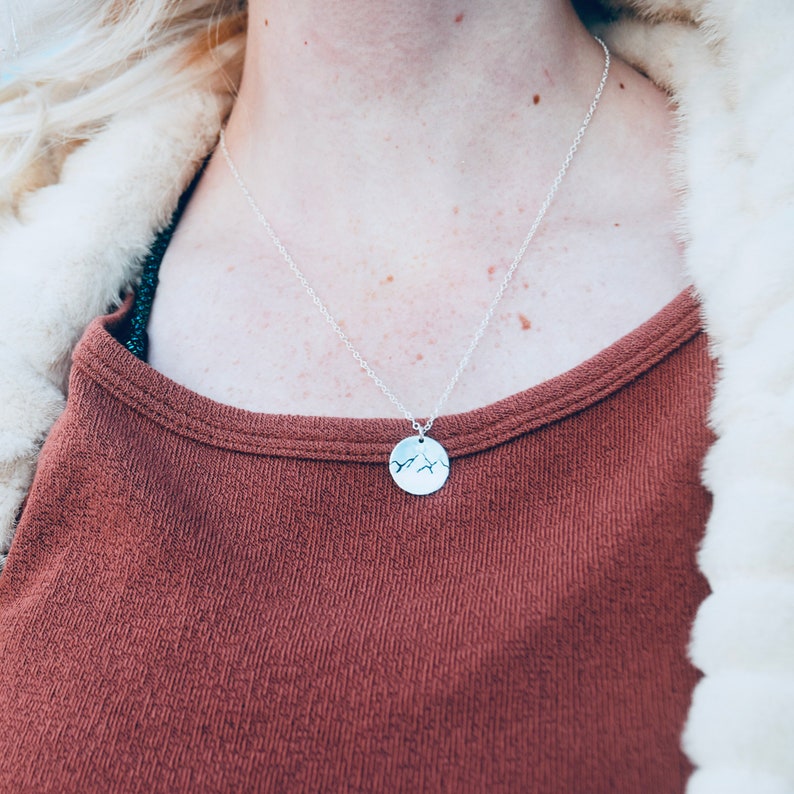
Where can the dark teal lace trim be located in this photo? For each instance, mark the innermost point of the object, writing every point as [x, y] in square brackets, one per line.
[137, 341]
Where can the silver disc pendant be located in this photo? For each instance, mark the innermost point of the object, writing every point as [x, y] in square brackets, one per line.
[419, 465]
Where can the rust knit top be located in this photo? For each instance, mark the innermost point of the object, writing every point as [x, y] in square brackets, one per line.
[202, 599]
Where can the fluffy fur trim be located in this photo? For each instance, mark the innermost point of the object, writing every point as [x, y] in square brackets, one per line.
[740, 225]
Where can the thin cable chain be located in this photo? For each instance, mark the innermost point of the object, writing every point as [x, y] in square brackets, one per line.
[421, 429]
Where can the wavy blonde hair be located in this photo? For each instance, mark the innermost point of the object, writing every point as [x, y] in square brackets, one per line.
[66, 68]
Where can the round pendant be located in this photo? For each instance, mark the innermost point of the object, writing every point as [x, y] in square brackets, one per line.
[419, 465]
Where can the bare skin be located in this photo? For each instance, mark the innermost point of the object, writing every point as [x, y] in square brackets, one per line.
[401, 152]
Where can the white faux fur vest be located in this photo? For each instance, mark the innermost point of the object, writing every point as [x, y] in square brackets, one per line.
[728, 63]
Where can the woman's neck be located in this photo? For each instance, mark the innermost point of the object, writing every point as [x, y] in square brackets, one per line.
[418, 88]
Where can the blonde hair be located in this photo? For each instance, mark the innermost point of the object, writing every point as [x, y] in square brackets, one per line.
[67, 68]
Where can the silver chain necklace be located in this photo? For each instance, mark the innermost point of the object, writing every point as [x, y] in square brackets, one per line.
[419, 464]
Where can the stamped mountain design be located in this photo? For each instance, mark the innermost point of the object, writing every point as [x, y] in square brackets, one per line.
[423, 463]
[419, 465]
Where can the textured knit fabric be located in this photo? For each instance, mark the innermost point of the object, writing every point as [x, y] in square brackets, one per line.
[199, 598]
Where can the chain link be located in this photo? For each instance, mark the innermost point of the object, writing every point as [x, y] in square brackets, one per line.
[423, 429]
